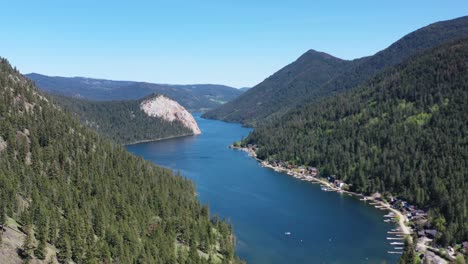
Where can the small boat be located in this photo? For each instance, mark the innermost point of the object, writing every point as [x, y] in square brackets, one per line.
[324, 188]
[287, 233]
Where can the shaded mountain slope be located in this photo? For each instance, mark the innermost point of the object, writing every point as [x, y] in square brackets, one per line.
[283, 89]
[91, 201]
[288, 89]
[403, 132]
[122, 121]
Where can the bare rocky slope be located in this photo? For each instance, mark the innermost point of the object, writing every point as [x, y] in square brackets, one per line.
[151, 118]
[169, 110]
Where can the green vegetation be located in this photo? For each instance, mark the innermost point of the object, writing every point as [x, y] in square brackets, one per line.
[122, 121]
[196, 97]
[317, 75]
[96, 203]
[403, 132]
[282, 90]
[460, 259]
[408, 256]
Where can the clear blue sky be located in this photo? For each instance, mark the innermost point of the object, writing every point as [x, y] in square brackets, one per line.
[237, 43]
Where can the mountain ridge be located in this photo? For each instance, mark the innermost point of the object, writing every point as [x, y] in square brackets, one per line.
[401, 133]
[194, 97]
[124, 121]
[74, 196]
[303, 92]
[312, 68]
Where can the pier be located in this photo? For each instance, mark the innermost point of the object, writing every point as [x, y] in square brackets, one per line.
[395, 238]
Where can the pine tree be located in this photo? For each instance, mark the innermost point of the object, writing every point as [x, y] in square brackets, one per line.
[40, 251]
[64, 254]
[28, 243]
[408, 253]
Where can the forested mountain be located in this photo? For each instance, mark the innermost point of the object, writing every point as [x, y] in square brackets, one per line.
[404, 132]
[73, 195]
[197, 97]
[282, 90]
[297, 85]
[122, 121]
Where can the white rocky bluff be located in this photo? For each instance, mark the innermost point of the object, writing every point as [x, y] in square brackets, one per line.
[170, 110]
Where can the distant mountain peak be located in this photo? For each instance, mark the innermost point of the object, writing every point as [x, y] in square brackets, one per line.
[311, 54]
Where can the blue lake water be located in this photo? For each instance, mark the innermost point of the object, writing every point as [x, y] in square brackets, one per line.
[263, 205]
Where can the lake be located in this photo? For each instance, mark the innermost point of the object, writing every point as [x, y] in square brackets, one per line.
[263, 205]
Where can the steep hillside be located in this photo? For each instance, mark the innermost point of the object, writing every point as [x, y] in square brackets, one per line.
[124, 121]
[404, 132]
[285, 90]
[197, 97]
[68, 194]
[420, 40]
[159, 106]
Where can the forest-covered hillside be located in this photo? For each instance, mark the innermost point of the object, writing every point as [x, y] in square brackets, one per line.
[122, 121]
[194, 97]
[75, 196]
[313, 77]
[404, 132]
[282, 90]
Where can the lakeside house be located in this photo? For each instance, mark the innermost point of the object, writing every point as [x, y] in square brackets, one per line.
[339, 184]
[429, 233]
[252, 147]
[313, 171]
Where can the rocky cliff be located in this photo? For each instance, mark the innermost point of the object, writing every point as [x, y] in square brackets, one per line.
[170, 110]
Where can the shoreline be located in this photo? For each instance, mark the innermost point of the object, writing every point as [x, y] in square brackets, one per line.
[400, 218]
[157, 139]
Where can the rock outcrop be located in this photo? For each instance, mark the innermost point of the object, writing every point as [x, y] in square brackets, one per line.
[170, 110]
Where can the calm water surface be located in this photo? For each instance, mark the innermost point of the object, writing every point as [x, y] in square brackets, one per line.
[262, 204]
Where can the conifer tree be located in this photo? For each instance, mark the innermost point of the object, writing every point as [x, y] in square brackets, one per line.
[28, 243]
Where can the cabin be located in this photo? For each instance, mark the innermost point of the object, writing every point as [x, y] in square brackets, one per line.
[430, 233]
[313, 171]
[417, 218]
[340, 184]
[418, 212]
[465, 245]
[252, 147]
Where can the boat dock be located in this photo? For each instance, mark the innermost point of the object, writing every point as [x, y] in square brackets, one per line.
[395, 238]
